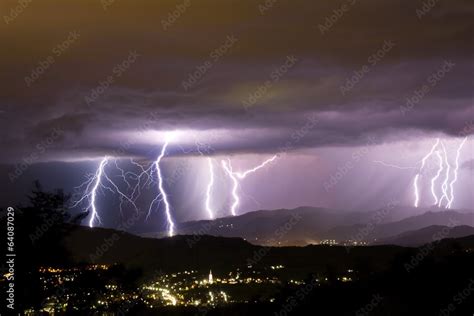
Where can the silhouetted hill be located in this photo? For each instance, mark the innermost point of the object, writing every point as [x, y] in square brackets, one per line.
[309, 225]
[97, 245]
[298, 226]
[408, 280]
[108, 246]
[426, 235]
[382, 231]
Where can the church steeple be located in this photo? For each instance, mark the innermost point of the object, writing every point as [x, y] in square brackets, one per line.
[211, 280]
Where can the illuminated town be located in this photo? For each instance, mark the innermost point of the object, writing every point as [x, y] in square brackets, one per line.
[191, 288]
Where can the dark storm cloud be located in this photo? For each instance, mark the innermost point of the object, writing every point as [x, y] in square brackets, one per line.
[348, 78]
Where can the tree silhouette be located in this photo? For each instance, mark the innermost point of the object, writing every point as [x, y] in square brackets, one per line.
[39, 231]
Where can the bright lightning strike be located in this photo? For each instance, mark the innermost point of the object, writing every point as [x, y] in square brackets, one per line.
[164, 196]
[92, 185]
[241, 175]
[98, 176]
[447, 186]
[96, 182]
[433, 181]
[451, 185]
[146, 173]
[121, 194]
[423, 162]
[417, 194]
[209, 189]
[444, 187]
[203, 148]
[228, 168]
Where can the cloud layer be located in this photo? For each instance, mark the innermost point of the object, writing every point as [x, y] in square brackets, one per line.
[303, 73]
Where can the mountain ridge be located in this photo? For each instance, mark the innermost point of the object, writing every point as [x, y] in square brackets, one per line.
[312, 225]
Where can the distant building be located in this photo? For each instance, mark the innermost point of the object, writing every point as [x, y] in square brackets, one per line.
[211, 280]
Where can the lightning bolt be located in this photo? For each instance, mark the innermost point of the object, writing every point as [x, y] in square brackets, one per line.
[451, 185]
[145, 173]
[447, 187]
[417, 194]
[444, 187]
[228, 169]
[100, 180]
[164, 196]
[203, 148]
[240, 175]
[433, 181]
[423, 161]
[209, 189]
[121, 194]
[417, 176]
[393, 165]
[123, 174]
[98, 176]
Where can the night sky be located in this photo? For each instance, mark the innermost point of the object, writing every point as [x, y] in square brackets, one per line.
[335, 89]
